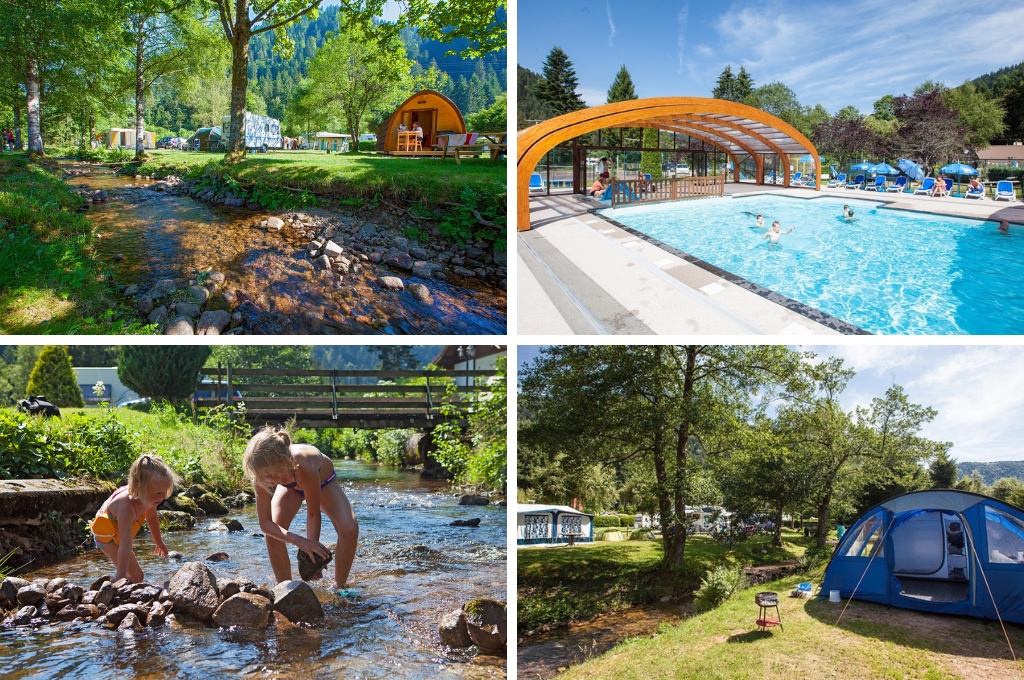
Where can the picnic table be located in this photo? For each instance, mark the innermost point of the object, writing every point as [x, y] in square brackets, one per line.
[473, 144]
[571, 538]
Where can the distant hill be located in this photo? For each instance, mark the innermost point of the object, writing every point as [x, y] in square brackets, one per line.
[357, 357]
[528, 107]
[990, 472]
[986, 81]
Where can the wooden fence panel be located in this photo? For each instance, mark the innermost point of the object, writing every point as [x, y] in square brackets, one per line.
[635, 191]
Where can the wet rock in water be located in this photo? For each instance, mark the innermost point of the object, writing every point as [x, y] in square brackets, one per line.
[230, 297]
[23, 616]
[392, 283]
[275, 223]
[200, 294]
[462, 271]
[187, 309]
[310, 568]
[215, 277]
[162, 287]
[213, 322]
[105, 595]
[280, 621]
[180, 326]
[193, 590]
[424, 269]
[234, 525]
[130, 623]
[474, 500]
[332, 250]
[487, 622]
[89, 597]
[174, 555]
[87, 611]
[157, 615]
[55, 583]
[503, 284]
[257, 534]
[418, 253]
[144, 304]
[475, 522]
[98, 583]
[175, 520]
[398, 258]
[144, 595]
[217, 557]
[453, 630]
[116, 615]
[9, 588]
[195, 491]
[367, 231]
[402, 243]
[375, 257]
[118, 257]
[182, 503]
[233, 502]
[211, 504]
[322, 262]
[228, 587]
[243, 610]
[297, 601]
[158, 315]
[31, 595]
[421, 293]
[99, 195]
[253, 206]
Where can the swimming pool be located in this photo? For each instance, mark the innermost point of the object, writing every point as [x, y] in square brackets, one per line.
[890, 271]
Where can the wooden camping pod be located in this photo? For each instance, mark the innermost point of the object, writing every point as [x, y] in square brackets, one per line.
[432, 110]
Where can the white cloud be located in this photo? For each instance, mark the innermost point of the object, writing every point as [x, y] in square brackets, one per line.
[704, 50]
[611, 24]
[681, 19]
[592, 96]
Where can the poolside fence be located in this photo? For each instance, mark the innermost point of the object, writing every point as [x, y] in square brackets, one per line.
[630, 192]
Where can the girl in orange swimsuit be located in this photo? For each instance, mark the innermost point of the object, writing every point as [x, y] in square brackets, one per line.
[150, 481]
[284, 475]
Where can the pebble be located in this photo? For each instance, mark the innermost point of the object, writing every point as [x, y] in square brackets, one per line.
[392, 283]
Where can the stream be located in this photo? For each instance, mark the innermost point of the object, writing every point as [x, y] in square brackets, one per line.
[161, 235]
[388, 631]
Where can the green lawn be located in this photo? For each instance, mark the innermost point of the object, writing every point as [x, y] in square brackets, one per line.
[49, 280]
[557, 584]
[872, 641]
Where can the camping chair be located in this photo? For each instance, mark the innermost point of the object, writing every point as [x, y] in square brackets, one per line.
[857, 182]
[1004, 191]
[797, 178]
[926, 186]
[765, 601]
[839, 181]
[898, 186]
[536, 184]
[879, 184]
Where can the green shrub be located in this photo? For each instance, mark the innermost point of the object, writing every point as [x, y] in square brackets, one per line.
[492, 119]
[162, 371]
[717, 586]
[606, 521]
[75, 445]
[814, 557]
[367, 145]
[627, 520]
[53, 376]
[1000, 172]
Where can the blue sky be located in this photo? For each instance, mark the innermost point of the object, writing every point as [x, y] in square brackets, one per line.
[832, 53]
[975, 389]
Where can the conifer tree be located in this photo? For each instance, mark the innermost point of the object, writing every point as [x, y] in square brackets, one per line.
[558, 88]
[622, 87]
[54, 377]
[744, 85]
[161, 371]
[725, 88]
[650, 161]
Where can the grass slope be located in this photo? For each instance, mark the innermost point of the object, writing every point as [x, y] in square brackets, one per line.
[872, 641]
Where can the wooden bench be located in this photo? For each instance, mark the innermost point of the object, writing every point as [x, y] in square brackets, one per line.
[486, 142]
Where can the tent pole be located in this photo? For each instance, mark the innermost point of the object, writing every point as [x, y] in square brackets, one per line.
[878, 546]
[974, 551]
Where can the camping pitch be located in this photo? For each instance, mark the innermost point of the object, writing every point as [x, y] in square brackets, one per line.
[940, 551]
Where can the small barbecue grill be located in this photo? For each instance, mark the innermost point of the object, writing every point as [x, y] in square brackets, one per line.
[766, 601]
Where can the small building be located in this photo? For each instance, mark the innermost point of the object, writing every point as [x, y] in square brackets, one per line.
[331, 141]
[124, 138]
[432, 110]
[1009, 155]
[457, 358]
[551, 524]
[114, 392]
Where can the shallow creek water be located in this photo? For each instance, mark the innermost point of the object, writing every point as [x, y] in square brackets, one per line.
[163, 236]
[388, 631]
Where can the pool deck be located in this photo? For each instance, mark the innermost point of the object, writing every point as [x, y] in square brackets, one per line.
[584, 274]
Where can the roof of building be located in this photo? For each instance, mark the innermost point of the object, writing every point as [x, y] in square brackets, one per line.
[1001, 151]
[449, 355]
[332, 134]
[564, 509]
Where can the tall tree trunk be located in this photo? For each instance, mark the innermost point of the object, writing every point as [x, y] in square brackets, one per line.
[17, 126]
[239, 80]
[668, 524]
[35, 139]
[140, 89]
[821, 534]
[777, 538]
[682, 442]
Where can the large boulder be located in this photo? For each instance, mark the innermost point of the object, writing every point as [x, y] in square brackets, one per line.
[211, 504]
[398, 258]
[182, 503]
[213, 322]
[180, 326]
[297, 601]
[31, 595]
[9, 588]
[453, 631]
[193, 590]
[392, 283]
[117, 614]
[487, 623]
[228, 587]
[174, 520]
[243, 610]
[130, 623]
[195, 491]
[474, 500]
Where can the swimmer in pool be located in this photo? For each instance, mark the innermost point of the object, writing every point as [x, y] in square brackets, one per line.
[758, 223]
[848, 214]
[775, 232]
[1004, 228]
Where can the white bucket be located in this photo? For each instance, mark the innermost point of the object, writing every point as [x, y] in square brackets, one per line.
[833, 596]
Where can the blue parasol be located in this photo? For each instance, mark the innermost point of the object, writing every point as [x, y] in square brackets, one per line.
[886, 169]
[911, 169]
[958, 169]
[862, 167]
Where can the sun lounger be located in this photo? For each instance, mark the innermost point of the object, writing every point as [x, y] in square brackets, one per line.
[879, 184]
[857, 182]
[975, 193]
[536, 184]
[838, 181]
[1005, 192]
[926, 186]
[797, 178]
[898, 186]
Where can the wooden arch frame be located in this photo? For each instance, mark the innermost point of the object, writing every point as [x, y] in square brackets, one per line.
[699, 132]
[535, 141]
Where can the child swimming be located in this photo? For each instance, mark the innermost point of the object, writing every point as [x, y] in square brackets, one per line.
[774, 233]
[284, 475]
[758, 223]
[848, 214]
[120, 517]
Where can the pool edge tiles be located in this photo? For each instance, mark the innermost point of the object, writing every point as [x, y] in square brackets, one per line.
[795, 306]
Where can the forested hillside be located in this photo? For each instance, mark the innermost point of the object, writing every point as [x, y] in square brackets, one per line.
[990, 472]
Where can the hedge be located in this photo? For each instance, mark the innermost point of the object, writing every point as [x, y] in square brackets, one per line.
[999, 172]
[607, 521]
[627, 520]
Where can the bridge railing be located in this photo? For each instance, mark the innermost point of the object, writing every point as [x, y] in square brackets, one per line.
[635, 191]
[336, 401]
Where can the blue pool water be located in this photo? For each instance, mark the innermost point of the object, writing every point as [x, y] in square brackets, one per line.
[890, 271]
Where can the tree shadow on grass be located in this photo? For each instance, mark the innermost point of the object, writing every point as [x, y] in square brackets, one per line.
[751, 636]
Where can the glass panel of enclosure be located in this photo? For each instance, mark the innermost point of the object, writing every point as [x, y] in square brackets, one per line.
[1005, 535]
[867, 538]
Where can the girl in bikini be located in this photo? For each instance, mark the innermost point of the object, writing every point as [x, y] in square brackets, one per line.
[150, 481]
[284, 475]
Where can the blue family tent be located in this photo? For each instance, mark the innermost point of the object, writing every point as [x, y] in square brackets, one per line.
[942, 551]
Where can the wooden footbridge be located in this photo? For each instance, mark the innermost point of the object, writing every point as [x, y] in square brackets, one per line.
[360, 399]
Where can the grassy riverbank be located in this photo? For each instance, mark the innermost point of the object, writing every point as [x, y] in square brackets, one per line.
[50, 282]
[560, 584]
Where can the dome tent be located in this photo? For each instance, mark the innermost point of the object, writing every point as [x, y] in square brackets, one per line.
[942, 551]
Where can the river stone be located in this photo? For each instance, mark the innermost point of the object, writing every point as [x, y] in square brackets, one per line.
[375, 257]
[475, 522]
[422, 270]
[402, 243]
[297, 601]
[180, 326]
[392, 283]
[243, 610]
[105, 595]
[55, 583]
[486, 621]
[99, 195]
[144, 304]
[193, 589]
[228, 587]
[87, 611]
[211, 504]
[174, 555]
[157, 615]
[420, 292]
[31, 595]
[215, 276]
[200, 294]
[98, 583]
[90, 597]
[462, 271]
[367, 231]
[234, 525]
[23, 616]
[130, 623]
[187, 309]
[322, 262]
[162, 287]
[195, 491]
[213, 322]
[280, 621]
[398, 258]
[418, 253]
[182, 503]
[310, 568]
[332, 250]
[158, 315]
[474, 500]
[173, 520]
[275, 223]
[118, 614]
[9, 588]
[218, 557]
[145, 595]
[453, 631]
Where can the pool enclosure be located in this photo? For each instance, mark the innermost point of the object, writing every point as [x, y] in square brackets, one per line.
[941, 551]
[539, 524]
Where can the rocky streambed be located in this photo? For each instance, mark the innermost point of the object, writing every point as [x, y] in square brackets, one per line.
[212, 610]
[194, 258]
